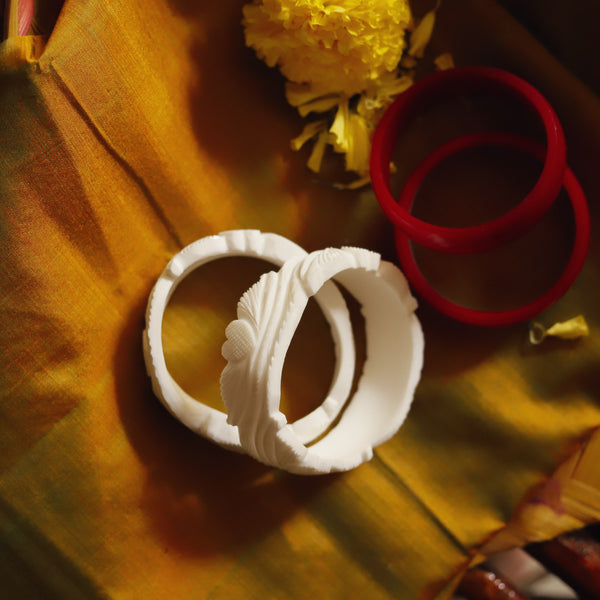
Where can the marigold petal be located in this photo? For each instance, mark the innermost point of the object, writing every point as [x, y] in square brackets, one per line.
[353, 185]
[420, 37]
[444, 62]
[337, 48]
[339, 128]
[319, 105]
[316, 156]
[309, 131]
[359, 147]
[299, 93]
[571, 329]
[331, 53]
[567, 330]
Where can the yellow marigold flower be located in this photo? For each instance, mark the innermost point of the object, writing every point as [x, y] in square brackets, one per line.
[336, 46]
[345, 60]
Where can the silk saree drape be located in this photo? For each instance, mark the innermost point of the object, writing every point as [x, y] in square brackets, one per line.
[138, 127]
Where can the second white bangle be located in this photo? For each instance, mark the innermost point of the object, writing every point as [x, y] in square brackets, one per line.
[268, 315]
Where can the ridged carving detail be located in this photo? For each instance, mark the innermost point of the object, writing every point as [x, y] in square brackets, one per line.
[255, 346]
[249, 349]
[257, 341]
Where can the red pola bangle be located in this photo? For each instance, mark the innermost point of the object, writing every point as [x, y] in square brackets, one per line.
[517, 221]
[516, 315]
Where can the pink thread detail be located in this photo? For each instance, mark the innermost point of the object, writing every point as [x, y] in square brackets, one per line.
[26, 10]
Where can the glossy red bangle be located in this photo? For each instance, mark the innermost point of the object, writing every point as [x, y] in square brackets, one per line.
[493, 233]
[516, 315]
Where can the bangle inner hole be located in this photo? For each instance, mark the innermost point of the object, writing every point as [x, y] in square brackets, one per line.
[476, 186]
[193, 331]
[508, 276]
[195, 319]
[360, 344]
[454, 117]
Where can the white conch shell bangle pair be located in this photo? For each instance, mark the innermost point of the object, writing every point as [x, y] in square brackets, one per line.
[257, 342]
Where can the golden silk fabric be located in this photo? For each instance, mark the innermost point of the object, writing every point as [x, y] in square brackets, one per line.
[142, 126]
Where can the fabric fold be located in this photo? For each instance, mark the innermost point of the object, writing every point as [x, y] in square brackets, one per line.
[142, 126]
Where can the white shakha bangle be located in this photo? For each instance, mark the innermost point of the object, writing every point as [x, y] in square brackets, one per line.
[268, 314]
[199, 417]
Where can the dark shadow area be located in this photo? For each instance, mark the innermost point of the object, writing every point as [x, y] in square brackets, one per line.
[569, 378]
[446, 423]
[509, 276]
[47, 13]
[238, 107]
[39, 181]
[44, 162]
[566, 29]
[32, 567]
[241, 119]
[194, 330]
[200, 498]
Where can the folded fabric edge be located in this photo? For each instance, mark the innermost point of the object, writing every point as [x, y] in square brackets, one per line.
[18, 51]
[569, 499]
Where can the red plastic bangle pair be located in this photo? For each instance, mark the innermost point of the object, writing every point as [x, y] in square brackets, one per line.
[511, 225]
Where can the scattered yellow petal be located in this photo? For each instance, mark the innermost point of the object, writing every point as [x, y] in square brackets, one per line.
[420, 37]
[309, 131]
[391, 87]
[571, 329]
[567, 330]
[444, 62]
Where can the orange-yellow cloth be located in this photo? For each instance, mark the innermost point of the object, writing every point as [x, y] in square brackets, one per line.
[142, 126]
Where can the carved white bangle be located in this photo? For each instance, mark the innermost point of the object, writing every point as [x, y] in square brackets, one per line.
[268, 314]
[199, 417]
